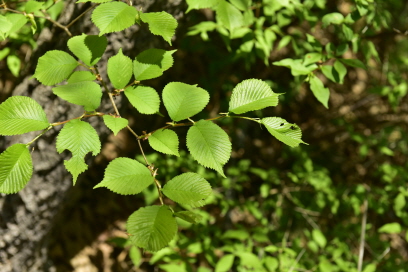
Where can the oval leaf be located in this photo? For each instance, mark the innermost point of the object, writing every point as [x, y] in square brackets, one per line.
[54, 67]
[144, 99]
[80, 138]
[160, 23]
[84, 93]
[183, 100]
[151, 63]
[250, 95]
[21, 114]
[320, 92]
[119, 70]
[391, 228]
[126, 177]
[209, 145]
[285, 132]
[115, 124]
[188, 188]
[152, 227]
[16, 168]
[225, 263]
[88, 48]
[165, 141]
[113, 16]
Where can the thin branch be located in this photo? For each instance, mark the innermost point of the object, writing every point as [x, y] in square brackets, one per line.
[80, 117]
[362, 236]
[79, 16]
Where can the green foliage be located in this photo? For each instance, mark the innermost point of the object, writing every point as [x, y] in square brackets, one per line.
[145, 99]
[285, 132]
[165, 141]
[160, 23]
[115, 124]
[84, 93]
[113, 16]
[88, 48]
[151, 63]
[120, 70]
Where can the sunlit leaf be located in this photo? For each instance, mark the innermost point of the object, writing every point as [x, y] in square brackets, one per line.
[285, 132]
[165, 141]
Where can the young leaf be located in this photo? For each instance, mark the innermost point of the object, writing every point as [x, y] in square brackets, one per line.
[33, 6]
[113, 16]
[151, 63]
[79, 76]
[165, 141]
[119, 70]
[21, 114]
[80, 138]
[144, 99]
[341, 70]
[88, 48]
[209, 145]
[126, 177]
[115, 123]
[225, 263]
[83, 93]
[54, 67]
[353, 63]
[5, 26]
[335, 18]
[391, 228]
[312, 58]
[320, 92]
[250, 95]
[152, 227]
[14, 64]
[16, 168]
[200, 4]
[188, 189]
[188, 216]
[17, 21]
[160, 23]
[229, 16]
[183, 100]
[285, 132]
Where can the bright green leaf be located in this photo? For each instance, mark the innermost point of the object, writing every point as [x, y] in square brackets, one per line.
[17, 21]
[21, 114]
[334, 18]
[319, 238]
[353, 63]
[80, 138]
[372, 267]
[200, 4]
[312, 58]
[250, 260]
[165, 141]
[285, 132]
[241, 4]
[236, 234]
[120, 70]
[32, 6]
[135, 256]
[83, 93]
[113, 16]
[209, 145]
[228, 15]
[250, 95]
[341, 70]
[88, 48]
[284, 42]
[4, 53]
[115, 123]
[331, 73]
[391, 228]
[225, 263]
[183, 100]
[320, 92]
[152, 227]
[54, 67]
[296, 66]
[189, 216]
[160, 23]
[151, 63]
[93, 1]
[33, 26]
[144, 99]
[79, 76]
[14, 64]
[16, 168]
[126, 177]
[5, 26]
[188, 189]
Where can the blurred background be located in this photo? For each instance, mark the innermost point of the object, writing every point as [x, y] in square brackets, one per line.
[336, 204]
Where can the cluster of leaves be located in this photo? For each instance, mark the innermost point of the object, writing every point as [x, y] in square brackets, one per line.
[151, 227]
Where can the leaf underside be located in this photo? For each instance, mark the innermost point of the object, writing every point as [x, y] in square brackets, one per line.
[285, 132]
[160, 23]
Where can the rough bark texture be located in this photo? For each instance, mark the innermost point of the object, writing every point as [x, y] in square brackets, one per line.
[49, 221]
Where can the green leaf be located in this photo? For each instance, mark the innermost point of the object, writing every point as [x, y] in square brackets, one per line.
[21, 114]
[160, 23]
[296, 66]
[189, 216]
[188, 189]
[225, 263]
[151, 63]
[285, 132]
[93, 1]
[319, 238]
[165, 141]
[144, 99]
[341, 70]
[79, 76]
[113, 16]
[241, 4]
[32, 6]
[334, 18]
[391, 228]
[320, 92]
[312, 58]
[33, 23]
[183, 100]
[152, 227]
[4, 53]
[353, 63]
[16, 168]
[126, 177]
[120, 70]
[80, 138]
[250, 95]
[135, 256]
[17, 21]
[209, 145]
[330, 73]
[54, 67]
[200, 4]
[83, 93]
[228, 15]
[5, 26]
[115, 123]
[88, 48]
[14, 64]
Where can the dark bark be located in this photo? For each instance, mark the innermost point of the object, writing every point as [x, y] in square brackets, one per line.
[49, 221]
